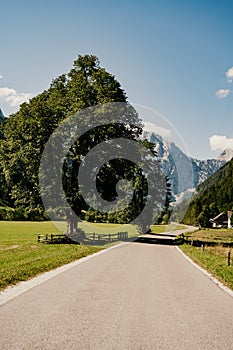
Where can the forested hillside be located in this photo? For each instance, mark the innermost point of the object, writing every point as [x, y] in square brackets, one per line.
[212, 197]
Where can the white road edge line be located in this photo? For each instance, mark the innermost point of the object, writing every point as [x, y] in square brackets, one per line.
[22, 287]
[206, 273]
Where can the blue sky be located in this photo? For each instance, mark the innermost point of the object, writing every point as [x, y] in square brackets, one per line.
[170, 56]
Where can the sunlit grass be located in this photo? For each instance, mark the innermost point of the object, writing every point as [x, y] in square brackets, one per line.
[21, 257]
[166, 228]
[213, 258]
[215, 235]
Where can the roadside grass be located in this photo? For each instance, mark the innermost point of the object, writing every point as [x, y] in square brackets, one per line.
[214, 258]
[21, 257]
[213, 235]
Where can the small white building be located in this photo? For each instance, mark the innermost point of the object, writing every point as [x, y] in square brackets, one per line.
[220, 220]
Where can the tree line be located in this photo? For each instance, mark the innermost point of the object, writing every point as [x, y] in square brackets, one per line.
[213, 196]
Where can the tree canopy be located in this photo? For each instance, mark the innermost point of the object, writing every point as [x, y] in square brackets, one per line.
[25, 134]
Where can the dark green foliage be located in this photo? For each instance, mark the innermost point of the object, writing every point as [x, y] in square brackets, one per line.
[14, 214]
[25, 133]
[3, 184]
[213, 196]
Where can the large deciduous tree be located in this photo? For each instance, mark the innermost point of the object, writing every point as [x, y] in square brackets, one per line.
[27, 131]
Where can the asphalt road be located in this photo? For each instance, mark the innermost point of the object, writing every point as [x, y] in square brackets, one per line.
[142, 295]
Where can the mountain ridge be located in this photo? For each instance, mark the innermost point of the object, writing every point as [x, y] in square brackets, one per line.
[169, 155]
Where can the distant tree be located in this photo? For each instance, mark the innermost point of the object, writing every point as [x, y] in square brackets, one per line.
[203, 218]
[4, 198]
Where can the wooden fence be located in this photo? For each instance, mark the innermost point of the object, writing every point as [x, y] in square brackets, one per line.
[95, 238]
[199, 243]
[119, 236]
[52, 238]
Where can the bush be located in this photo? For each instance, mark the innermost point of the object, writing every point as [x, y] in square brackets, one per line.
[11, 214]
[19, 214]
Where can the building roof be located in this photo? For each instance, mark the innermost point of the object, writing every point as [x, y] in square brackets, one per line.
[222, 217]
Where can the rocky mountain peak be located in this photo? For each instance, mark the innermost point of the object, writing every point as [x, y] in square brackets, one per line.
[169, 155]
[1, 115]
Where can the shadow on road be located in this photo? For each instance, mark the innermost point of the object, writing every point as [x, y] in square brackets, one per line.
[158, 240]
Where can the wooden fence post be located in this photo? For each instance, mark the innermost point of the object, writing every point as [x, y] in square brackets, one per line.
[229, 259]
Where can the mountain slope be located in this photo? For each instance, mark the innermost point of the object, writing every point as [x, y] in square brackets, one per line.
[1, 116]
[213, 196]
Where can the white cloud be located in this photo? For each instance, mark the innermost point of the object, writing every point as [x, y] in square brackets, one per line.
[220, 143]
[222, 93]
[229, 74]
[1, 76]
[12, 97]
[157, 129]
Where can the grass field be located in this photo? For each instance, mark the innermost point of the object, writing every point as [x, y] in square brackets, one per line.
[21, 257]
[213, 235]
[166, 228]
[99, 228]
[213, 259]
[106, 228]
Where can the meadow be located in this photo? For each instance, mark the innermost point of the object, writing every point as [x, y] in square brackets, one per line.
[22, 257]
[213, 258]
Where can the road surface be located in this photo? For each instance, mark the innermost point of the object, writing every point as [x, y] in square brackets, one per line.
[141, 295]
